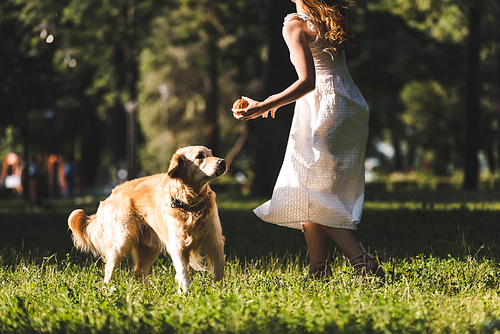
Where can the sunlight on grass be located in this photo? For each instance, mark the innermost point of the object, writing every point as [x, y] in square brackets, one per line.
[440, 254]
[422, 294]
[471, 206]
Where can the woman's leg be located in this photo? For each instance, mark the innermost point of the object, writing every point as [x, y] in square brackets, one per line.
[315, 234]
[345, 240]
[362, 261]
[316, 242]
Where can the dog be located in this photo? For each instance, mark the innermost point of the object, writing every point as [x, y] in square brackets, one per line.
[174, 212]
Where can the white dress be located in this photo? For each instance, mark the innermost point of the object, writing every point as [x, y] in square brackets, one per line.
[322, 176]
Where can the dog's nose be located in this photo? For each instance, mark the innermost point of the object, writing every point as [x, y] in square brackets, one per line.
[221, 168]
[222, 164]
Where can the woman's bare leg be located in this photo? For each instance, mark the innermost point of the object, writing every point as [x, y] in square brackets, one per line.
[315, 236]
[316, 241]
[349, 245]
[344, 239]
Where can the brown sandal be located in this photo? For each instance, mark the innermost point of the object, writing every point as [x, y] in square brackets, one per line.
[319, 270]
[365, 264]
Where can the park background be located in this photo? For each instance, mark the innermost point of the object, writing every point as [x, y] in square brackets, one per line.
[93, 93]
[120, 85]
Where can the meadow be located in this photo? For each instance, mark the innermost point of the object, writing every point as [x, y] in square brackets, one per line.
[440, 249]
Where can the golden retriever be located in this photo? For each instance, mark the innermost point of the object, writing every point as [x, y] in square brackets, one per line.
[173, 211]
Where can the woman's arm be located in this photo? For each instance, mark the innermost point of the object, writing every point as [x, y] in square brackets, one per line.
[295, 35]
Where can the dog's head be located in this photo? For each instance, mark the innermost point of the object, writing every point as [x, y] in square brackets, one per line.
[196, 166]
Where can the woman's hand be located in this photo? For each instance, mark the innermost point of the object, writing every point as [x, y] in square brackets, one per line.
[255, 109]
[296, 34]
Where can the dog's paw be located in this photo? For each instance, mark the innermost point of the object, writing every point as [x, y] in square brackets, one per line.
[183, 286]
[108, 289]
[181, 291]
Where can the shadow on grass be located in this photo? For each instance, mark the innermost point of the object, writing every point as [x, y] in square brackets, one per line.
[391, 231]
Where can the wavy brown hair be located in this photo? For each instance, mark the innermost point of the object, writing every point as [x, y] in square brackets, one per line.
[329, 18]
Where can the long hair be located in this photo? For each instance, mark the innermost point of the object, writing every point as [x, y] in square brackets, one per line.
[329, 18]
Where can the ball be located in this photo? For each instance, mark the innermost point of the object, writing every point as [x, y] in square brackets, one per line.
[240, 104]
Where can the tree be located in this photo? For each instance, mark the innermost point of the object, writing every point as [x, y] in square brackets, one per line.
[184, 62]
[27, 89]
[496, 38]
[432, 118]
[109, 53]
[271, 134]
[212, 55]
[448, 28]
[472, 99]
[391, 52]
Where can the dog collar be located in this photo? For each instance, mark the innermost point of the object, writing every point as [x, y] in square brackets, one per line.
[178, 204]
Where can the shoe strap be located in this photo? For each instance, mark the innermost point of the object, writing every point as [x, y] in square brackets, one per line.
[363, 259]
[317, 266]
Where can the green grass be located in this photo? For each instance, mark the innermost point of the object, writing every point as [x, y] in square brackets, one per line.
[441, 251]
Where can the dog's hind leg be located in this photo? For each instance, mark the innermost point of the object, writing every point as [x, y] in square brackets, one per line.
[111, 260]
[144, 257]
[109, 268]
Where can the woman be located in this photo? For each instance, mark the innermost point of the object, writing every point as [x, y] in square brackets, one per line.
[320, 188]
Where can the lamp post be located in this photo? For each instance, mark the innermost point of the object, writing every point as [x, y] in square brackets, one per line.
[131, 149]
[165, 93]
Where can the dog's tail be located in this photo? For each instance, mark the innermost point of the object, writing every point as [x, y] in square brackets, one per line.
[78, 222]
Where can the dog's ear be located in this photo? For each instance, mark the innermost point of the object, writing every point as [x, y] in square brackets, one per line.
[178, 166]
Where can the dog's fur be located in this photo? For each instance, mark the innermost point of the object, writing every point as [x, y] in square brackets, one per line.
[174, 211]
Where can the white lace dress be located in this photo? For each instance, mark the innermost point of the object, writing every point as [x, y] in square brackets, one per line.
[322, 177]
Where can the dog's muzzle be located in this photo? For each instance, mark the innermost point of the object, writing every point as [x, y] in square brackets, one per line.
[221, 168]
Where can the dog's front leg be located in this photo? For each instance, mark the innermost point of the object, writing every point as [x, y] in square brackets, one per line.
[181, 262]
[218, 261]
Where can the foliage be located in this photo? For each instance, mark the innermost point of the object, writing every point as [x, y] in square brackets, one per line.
[443, 20]
[10, 142]
[440, 250]
[432, 119]
[26, 71]
[416, 43]
[81, 61]
[180, 65]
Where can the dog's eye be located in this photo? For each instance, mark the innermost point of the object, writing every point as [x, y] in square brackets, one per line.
[200, 156]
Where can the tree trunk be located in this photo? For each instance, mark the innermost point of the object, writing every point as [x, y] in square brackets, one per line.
[496, 5]
[131, 139]
[398, 156]
[441, 161]
[272, 134]
[410, 161]
[131, 78]
[26, 156]
[490, 156]
[211, 129]
[472, 100]
[91, 142]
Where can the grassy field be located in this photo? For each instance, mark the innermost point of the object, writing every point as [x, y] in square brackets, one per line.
[441, 251]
